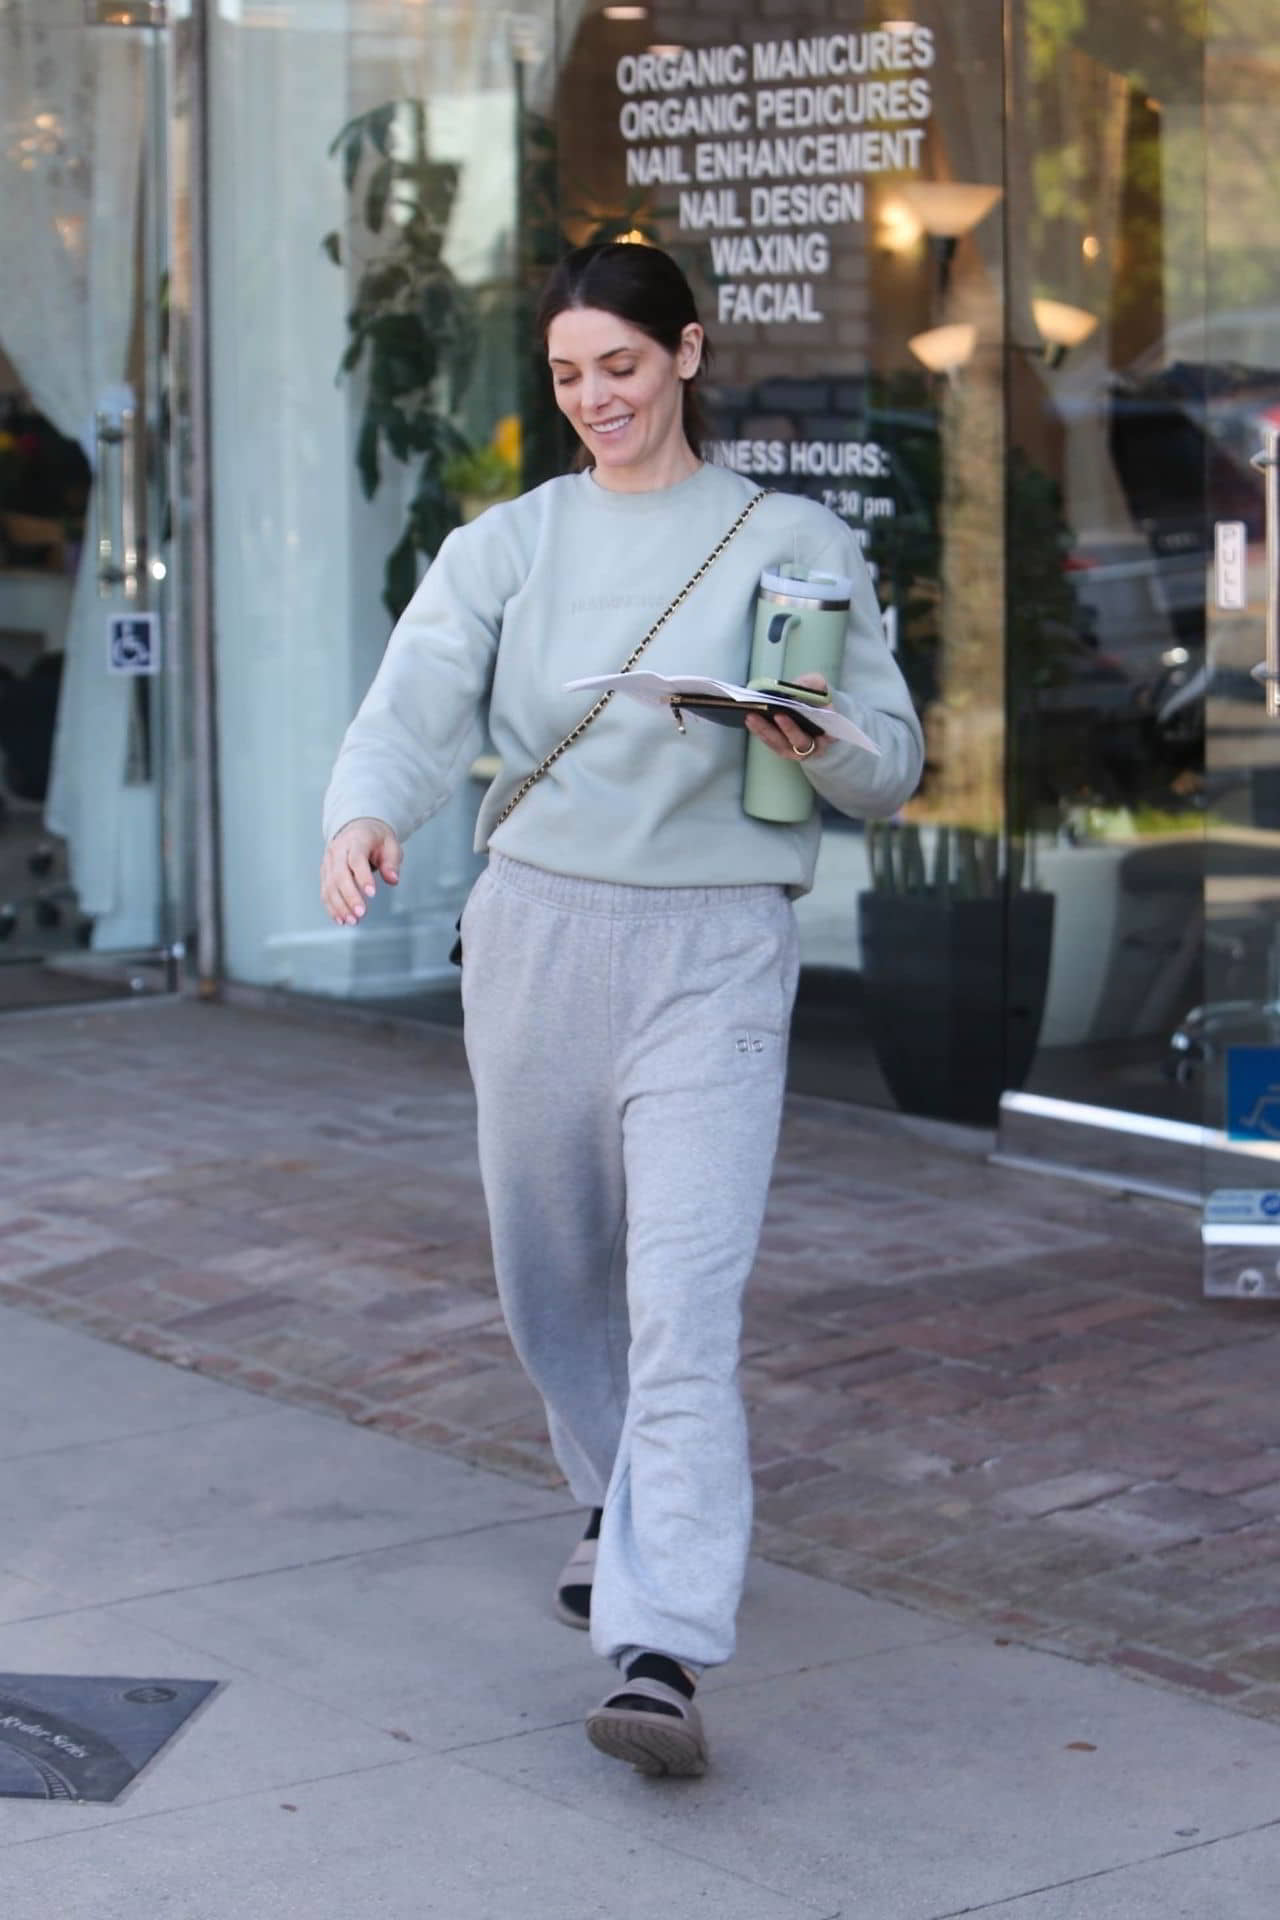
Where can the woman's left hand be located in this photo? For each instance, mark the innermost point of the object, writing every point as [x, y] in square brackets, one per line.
[783, 735]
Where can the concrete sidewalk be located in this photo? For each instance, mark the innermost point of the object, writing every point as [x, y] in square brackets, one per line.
[399, 1734]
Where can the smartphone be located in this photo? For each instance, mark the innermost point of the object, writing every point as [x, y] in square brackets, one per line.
[809, 696]
[791, 690]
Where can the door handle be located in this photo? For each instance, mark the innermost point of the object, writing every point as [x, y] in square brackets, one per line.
[116, 435]
[1268, 670]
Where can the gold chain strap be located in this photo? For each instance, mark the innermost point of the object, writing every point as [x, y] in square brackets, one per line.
[652, 634]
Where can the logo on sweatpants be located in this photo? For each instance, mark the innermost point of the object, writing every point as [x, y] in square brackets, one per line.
[749, 1043]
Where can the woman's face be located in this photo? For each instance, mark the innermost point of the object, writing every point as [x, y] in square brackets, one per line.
[622, 393]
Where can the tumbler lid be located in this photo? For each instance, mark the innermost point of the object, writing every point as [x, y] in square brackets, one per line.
[803, 583]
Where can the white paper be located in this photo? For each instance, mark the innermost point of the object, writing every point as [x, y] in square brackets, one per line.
[660, 689]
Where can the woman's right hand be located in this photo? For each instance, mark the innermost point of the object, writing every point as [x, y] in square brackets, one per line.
[354, 855]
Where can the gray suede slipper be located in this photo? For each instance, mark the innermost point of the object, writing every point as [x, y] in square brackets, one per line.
[579, 1571]
[654, 1743]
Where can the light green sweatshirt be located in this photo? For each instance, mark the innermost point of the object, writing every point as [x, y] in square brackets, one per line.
[568, 579]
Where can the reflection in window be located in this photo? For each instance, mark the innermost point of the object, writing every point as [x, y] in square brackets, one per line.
[370, 212]
[1114, 436]
[834, 191]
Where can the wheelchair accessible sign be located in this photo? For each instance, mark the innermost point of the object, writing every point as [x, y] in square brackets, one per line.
[133, 643]
[1253, 1094]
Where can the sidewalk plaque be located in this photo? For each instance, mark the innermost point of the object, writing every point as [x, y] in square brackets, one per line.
[76, 1737]
[133, 643]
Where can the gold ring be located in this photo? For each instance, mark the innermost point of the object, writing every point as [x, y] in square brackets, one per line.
[803, 754]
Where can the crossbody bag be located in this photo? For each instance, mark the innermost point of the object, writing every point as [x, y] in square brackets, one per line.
[571, 739]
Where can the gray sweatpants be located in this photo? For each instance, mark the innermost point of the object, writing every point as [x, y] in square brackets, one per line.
[628, 1049]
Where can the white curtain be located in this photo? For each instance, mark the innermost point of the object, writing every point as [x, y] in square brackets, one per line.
[71, 107]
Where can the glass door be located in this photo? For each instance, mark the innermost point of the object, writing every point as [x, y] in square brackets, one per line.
[1115, 433]
[372, 198]
[1143, 603]
[834, 188]
[85, 522]
[1231, 1040]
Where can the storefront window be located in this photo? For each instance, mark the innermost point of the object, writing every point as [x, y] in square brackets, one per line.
[1123, 412]
[954, 268]
[367, 370]
[835, 193]
[87, 828]
[1228, 1046]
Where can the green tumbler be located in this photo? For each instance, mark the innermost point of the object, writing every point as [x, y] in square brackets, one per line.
[801, 620]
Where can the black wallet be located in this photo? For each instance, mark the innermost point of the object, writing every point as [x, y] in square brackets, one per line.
[733, 713]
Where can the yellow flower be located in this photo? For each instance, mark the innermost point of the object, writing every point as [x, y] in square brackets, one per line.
[506, 439]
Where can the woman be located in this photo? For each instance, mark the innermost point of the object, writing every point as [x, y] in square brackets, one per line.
[631, 952]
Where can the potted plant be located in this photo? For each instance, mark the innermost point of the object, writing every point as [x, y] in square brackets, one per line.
[956, 936]
[412, 329]
[955, 963]
[482, 475]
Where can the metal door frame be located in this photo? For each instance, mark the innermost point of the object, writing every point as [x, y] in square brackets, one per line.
[187, 42]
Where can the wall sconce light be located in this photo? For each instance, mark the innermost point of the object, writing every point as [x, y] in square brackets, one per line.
[947, 210]
[1061, 327]
[899, 227]
[125, 13]
[943, 349]
[626, 13]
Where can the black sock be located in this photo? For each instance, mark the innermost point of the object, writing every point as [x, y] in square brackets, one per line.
[578, 1597]
[655, 1666]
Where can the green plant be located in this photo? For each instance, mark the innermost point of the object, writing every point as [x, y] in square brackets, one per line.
[943, 863]
[482, 473]
[411, 327]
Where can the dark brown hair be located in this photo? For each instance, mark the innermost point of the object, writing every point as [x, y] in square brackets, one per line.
[643, 286]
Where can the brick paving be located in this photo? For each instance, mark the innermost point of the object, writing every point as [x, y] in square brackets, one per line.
[991, 1396]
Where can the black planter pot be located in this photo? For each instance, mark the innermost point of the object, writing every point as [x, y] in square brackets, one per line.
[954, 997]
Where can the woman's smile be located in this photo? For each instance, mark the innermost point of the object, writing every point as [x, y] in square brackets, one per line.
[623, 394]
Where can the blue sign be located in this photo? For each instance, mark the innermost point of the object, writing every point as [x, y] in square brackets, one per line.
[1253, 1093]
[1243, 1207]
[133, 643]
